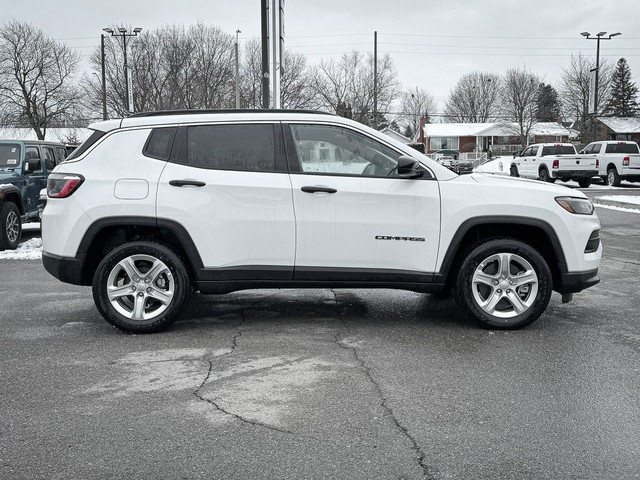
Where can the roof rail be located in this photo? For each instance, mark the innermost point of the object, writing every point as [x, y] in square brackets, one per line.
[199, 112]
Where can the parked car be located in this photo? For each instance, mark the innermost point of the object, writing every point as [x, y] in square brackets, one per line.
[618, 160]
[446, 161]
[551, 161]
[24, 168]
[157, 205]
[462, 167]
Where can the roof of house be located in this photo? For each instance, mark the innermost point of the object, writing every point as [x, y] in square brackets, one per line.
[496, 129]
[622, 124]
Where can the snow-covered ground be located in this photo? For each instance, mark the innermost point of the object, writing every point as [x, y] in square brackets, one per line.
[499, 165]
[27, 250]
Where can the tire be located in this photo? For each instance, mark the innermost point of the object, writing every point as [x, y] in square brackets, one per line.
[491, 285]
[10, 226]
[613, 179]
[545, 177]
[141, 287]
[584, 182]
[513, 171]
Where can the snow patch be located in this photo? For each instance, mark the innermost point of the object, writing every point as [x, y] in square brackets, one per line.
[29, 250]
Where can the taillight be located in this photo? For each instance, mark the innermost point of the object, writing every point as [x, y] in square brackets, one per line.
[597, 163]
[62, 185]
[625, 162]
[556, 163]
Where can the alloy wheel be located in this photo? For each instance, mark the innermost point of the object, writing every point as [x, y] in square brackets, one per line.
[505, 285]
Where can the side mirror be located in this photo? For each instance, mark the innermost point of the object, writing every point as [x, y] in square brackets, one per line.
[31, 166]
[408, 167]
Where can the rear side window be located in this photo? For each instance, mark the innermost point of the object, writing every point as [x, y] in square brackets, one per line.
[242, 147]
[621, 148]
[49, 158]
[95, 136]
[559, 150]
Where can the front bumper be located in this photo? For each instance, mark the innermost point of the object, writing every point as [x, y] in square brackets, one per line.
[576, 282]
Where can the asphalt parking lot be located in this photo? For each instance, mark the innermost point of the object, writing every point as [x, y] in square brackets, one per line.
[336, 384]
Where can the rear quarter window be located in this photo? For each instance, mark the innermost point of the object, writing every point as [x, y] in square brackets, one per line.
[95, 136]
[160, 143]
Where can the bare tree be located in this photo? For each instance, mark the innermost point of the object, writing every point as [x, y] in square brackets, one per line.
[35, 78]
[574, 91]
[474, 98]
[173, 68]
[346, 86]
[520, 100]
[416, 103]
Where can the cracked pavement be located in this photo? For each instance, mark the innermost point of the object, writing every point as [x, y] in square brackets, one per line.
[335, 384]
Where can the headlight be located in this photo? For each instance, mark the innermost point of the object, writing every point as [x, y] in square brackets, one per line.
[579, 206]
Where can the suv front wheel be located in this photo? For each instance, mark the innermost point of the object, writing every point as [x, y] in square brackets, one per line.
[503, 284]
[140, 287]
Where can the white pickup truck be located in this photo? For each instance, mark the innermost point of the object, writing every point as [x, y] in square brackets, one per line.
[550, 161]
[619, 160]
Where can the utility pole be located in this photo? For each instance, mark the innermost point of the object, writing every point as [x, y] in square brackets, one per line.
[264, 21]
[593, 107]
[237, 73]
[127, 81]
[104, 78]
[375, 80]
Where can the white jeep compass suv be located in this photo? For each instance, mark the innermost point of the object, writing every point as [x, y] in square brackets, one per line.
[158, 205]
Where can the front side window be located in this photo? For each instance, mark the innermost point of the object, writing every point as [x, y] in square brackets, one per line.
[242, 147]
[32, 155]
[340, 151]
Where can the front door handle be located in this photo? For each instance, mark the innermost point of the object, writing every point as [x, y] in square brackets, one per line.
[316, 189]
[181, 183]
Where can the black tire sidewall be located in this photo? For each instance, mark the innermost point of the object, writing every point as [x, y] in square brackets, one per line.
[5, 209]
[463, 290]
[166, 318]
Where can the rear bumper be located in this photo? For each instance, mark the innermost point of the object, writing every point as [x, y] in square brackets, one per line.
[574, 173]
[576, 282]
[65, 269]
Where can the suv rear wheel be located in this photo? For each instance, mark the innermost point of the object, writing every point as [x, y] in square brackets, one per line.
[140, 287]
[503, 284]
[10, 226]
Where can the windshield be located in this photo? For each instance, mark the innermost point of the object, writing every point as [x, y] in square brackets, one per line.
[9, 155]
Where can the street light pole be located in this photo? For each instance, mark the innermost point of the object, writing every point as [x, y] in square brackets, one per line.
[237, 73]
[599, 36]
[122, 32]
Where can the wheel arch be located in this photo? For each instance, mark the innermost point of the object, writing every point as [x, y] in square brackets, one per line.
[534, 232]
[11, 193]
[106, 234]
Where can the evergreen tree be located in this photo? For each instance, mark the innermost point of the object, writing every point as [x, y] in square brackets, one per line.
[623, 100]
[548, 108]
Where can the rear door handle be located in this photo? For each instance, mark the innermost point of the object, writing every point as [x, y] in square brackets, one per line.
[316, 189]
[181, 183]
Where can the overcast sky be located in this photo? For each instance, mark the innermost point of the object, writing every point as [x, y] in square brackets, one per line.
[432, 43]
